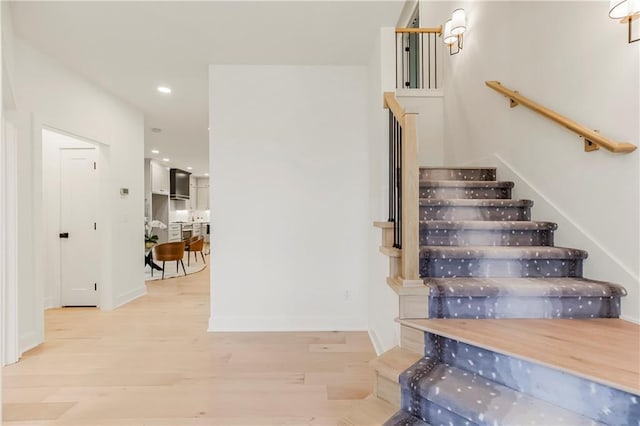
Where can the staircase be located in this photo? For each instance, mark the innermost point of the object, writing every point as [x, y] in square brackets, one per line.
[483, 259]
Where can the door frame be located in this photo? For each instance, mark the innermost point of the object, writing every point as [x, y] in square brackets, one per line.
[8, 243]
[105, 298]
[102, 248]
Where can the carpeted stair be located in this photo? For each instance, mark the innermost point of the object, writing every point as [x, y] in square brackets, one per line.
[482, 257]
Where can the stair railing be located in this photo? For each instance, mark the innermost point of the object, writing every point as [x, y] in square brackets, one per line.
[403, 188]
[417, 51]
[592, 139]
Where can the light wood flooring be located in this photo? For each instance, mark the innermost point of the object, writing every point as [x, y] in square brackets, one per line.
[152, 362]
[602, 350]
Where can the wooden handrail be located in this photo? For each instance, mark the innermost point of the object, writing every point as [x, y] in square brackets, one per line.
[434, 30]
[391, 102]
[409, 253]
[591, 137]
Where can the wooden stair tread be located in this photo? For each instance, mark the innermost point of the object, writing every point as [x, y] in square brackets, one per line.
[393, 362]
[368, 412]
[605, 351]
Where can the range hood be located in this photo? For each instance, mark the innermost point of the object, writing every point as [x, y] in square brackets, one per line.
[179, 188]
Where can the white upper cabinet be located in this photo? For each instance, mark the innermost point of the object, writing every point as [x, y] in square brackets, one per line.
[203, 194]
[159, 178]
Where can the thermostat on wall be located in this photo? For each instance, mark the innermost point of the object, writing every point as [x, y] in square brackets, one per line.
[124, 191]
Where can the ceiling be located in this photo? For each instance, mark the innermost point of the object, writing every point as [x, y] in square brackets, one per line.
[130, 48]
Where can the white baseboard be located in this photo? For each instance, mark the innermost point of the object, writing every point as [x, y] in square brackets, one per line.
[265, 323]
[375, 341]
[130, 296]
[601, 264]
[28, 341]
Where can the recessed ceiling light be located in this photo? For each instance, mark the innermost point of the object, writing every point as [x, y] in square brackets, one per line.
[206, 174]
[155, 151]
[189, 168]
[164, 89]
[165, 159]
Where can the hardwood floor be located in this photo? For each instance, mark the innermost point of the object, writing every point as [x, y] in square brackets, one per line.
[152, 362]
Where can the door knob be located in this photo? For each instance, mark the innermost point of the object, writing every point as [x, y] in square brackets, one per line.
[64, 235]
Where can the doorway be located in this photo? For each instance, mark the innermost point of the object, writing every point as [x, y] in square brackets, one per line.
[71, 194]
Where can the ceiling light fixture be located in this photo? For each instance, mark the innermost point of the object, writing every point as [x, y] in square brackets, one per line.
[164, 89]
[628, 11]
[165, 159]
[206, 174]
[155, 151]
[189, 168]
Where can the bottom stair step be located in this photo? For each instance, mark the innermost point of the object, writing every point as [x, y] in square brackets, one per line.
[402, 418]
[588, 367]
[368, 412]
[441, 394]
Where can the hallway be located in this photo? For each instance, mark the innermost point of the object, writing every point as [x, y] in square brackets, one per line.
[152, 362]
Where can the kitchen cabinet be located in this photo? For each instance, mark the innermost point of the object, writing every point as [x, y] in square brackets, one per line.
[175, 232]
[192, 203]
[202, 197]
[197, 229]
[159, 179]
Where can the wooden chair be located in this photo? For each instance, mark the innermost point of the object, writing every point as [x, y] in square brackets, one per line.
[195, 245]
[167, 252]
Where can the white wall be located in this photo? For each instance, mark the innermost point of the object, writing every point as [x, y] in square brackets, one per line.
[288, 197]
[571, 57]
[383, 302]
[49, 95]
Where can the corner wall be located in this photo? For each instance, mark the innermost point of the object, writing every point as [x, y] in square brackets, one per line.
[570, 57]
[288, 163]
[49, 95]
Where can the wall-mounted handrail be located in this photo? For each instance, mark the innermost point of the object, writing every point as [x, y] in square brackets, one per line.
[592, 139]
[404, 188]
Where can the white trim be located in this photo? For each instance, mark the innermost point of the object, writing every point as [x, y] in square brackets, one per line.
[420, 93]
[9, 220]
[130, 296]
[285, 323]
[375, 341]
[29, 341]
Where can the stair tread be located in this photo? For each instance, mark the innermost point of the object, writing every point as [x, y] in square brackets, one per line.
[522, 225]
[486, 403]
[470, 202]
[369, 411]
[604, 351]
[522, 287]
[402, 418]
[393, 362]
[502, 252]
[466, 183]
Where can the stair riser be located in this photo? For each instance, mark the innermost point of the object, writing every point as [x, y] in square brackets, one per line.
[524, 307]
[466, 237]
[440, 193]
[475, 213]
[453, 267]
[590, 399]
[458, 174]
[431, 413]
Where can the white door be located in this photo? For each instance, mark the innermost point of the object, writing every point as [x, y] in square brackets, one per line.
[79, 267]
